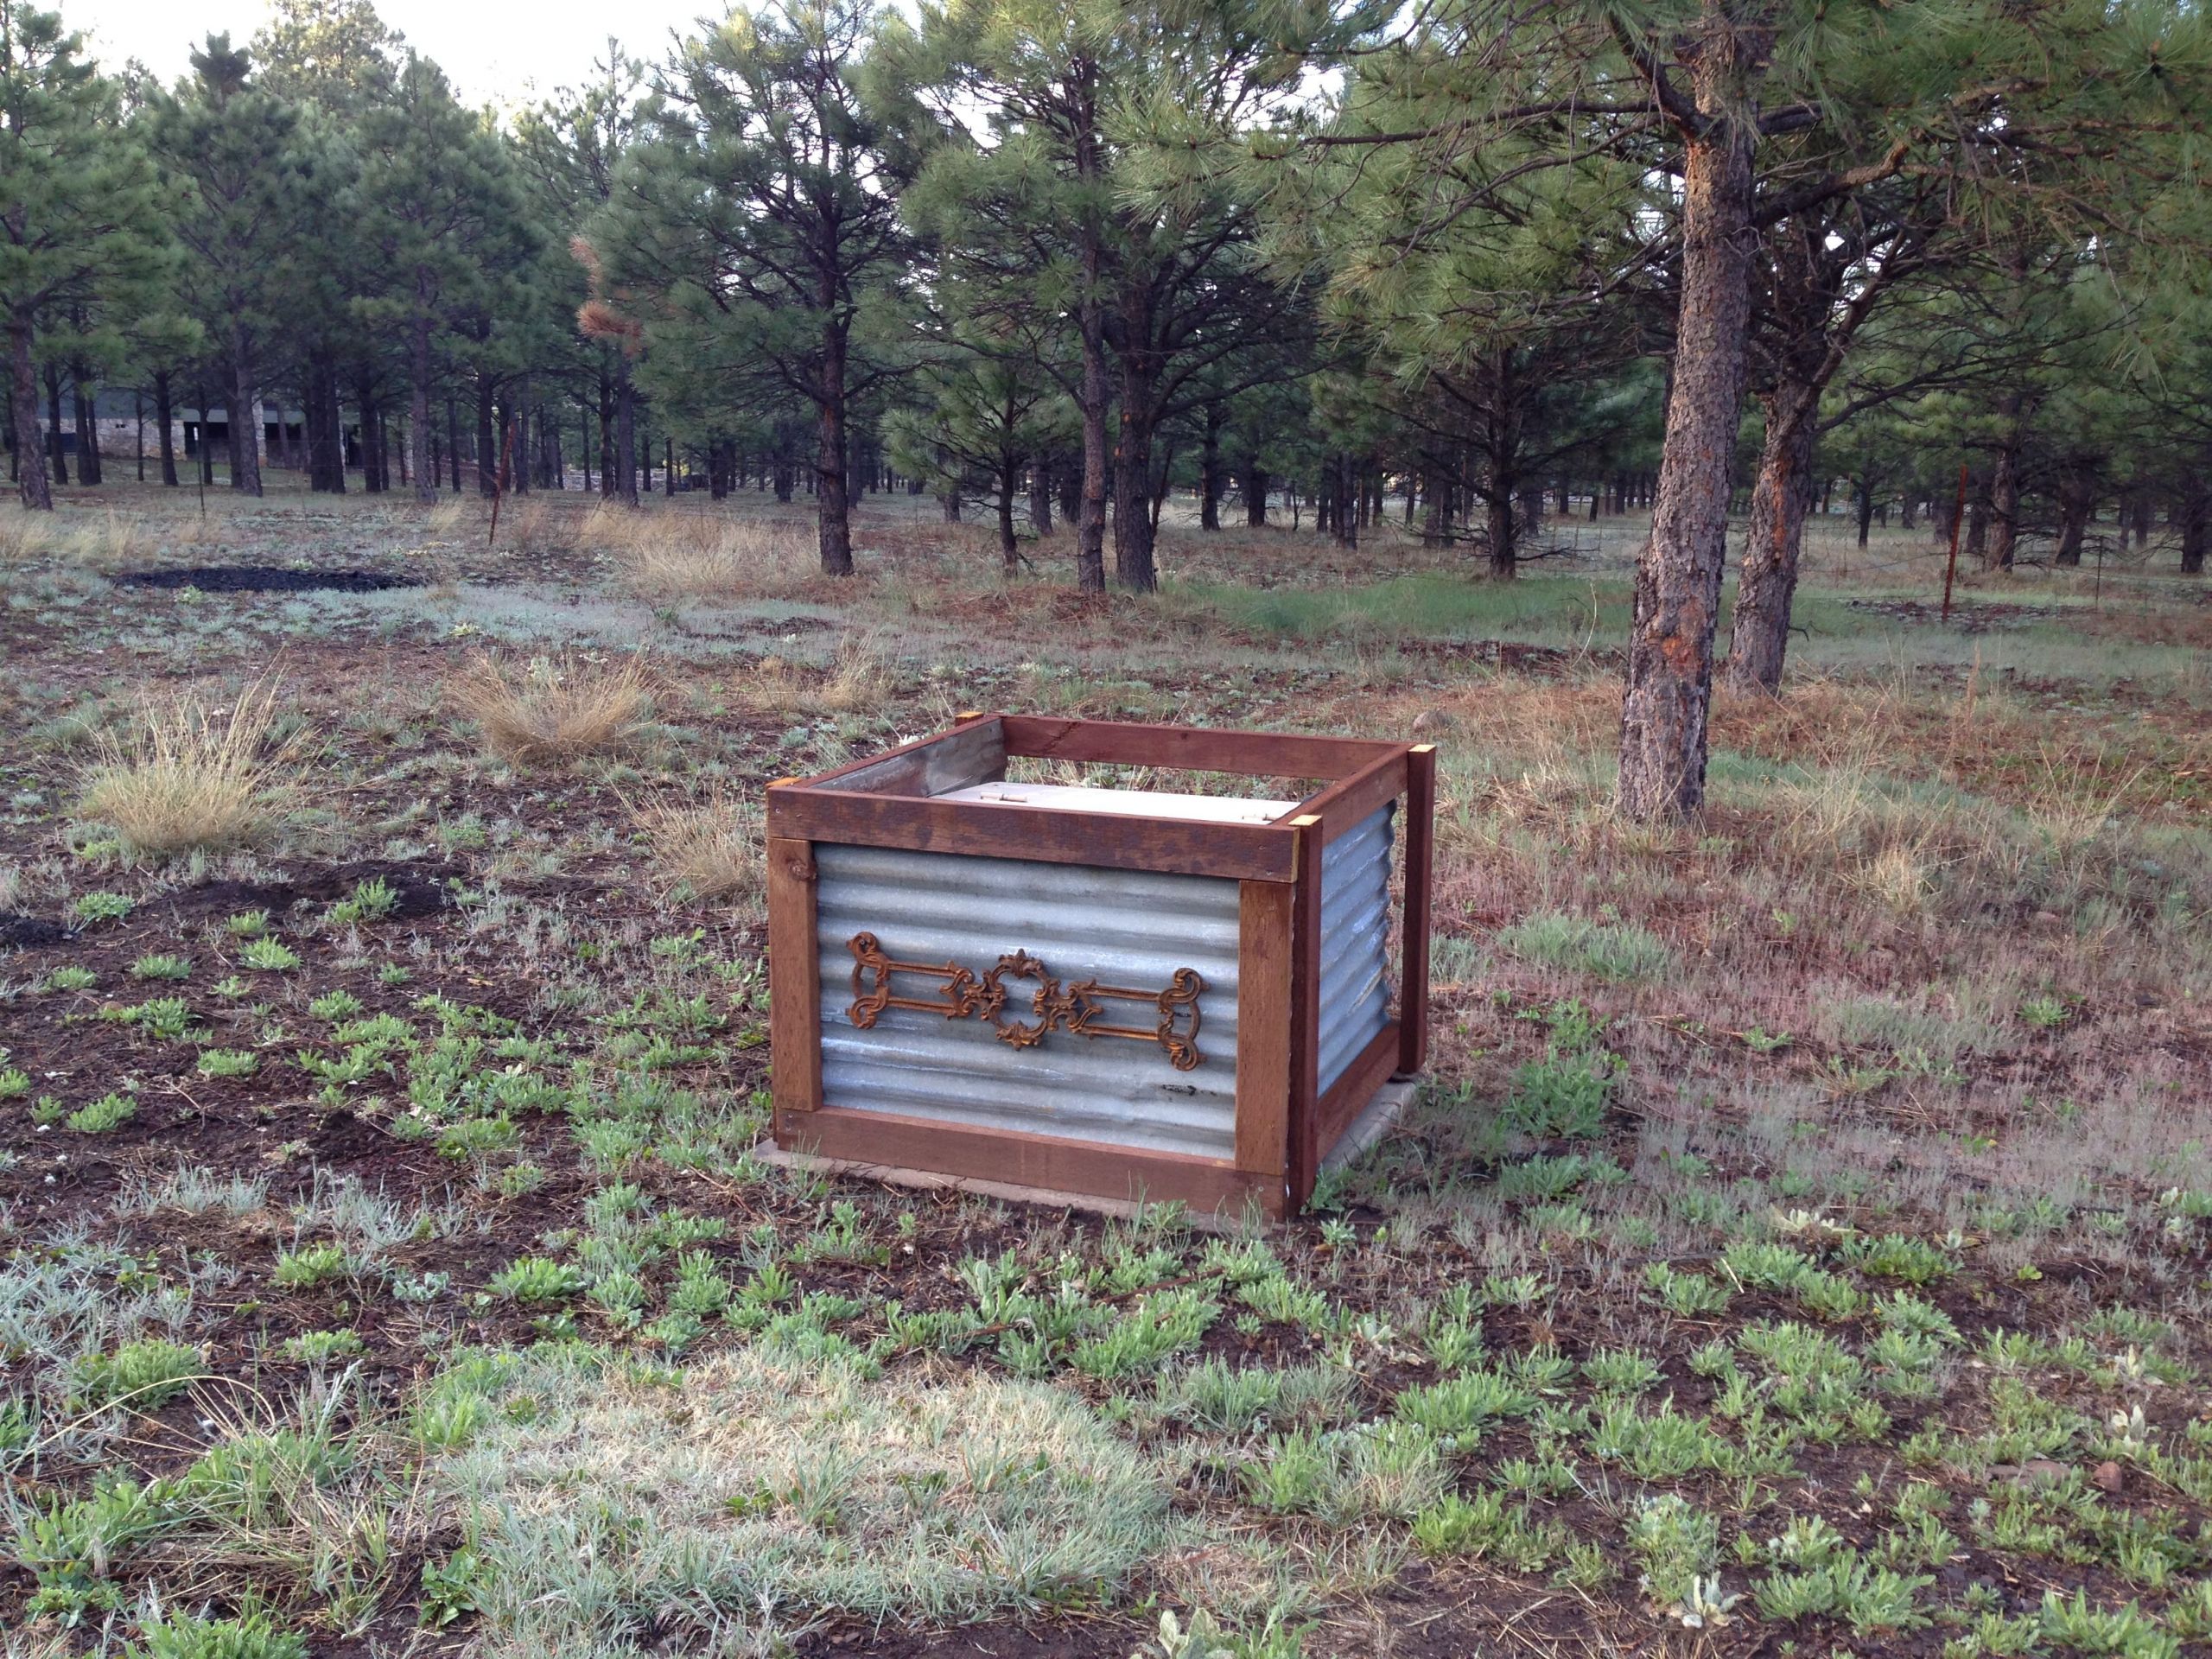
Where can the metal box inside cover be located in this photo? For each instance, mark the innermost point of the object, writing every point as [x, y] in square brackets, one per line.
[1115, 993]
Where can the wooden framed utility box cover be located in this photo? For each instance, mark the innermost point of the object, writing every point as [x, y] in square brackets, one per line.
[1113, 993]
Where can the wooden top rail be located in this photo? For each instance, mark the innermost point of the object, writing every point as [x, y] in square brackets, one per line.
[890, 799]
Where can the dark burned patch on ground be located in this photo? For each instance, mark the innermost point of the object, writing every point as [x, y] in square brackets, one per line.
[263, 579]
[19, 931]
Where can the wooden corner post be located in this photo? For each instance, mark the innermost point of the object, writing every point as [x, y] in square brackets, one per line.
[1264, 1068]
[1305, 1012]
[1413, 952]
[794, 984]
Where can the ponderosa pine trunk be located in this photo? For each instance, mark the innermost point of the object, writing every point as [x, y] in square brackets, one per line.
[1210, 470]
[1040, 493]
[31, 486]
[324, 427]
[1134, 567]
[833, 519]
[2004, 486]
[88, 427]
[626, 433]
[364, 399]
[1669, 693]
[418, 409]
[2077, 501]
[245, 418]
[2194, 510]
[1438, 489]
[60, 457]
[1009, 549]
[1255, 485]
[164, 415]
[487, 439]
[1498, 532]
[1758, 629]
[1091, 393]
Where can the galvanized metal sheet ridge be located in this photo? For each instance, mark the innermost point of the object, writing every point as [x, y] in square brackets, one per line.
[1121, 928]
[1355, 988]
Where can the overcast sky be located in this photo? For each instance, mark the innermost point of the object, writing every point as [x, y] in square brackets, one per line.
[494, 52]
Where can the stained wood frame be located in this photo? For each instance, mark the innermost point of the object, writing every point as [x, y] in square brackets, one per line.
[1284, 1123]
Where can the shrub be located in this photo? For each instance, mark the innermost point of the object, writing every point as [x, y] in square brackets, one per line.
[552, 710]
[188, 778]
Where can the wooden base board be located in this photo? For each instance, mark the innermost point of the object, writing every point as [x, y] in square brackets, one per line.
[1379, 1117]
[1371, 1126]
[922, 1180]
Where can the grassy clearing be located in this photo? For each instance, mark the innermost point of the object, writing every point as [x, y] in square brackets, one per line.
[1801, 1242]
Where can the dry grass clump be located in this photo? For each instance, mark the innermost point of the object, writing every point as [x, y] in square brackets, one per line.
[552, 709]
[710, 848]
[188, 778]
[96, 538]
[672, 553]
[860, 678]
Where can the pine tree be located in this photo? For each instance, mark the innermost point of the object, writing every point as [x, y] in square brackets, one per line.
[765, 198]
[1760, 112]
[443, 211]
[239, 178]
[79, 215]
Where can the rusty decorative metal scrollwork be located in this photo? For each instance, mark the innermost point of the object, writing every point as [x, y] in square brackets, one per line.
[1078, 1009]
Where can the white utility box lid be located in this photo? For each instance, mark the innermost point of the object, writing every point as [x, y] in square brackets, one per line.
[1136, 803]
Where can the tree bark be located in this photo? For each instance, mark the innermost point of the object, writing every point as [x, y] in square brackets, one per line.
[1438, 489]
[372, 456]
[1009, 549]
[1255, 485]
[1497, 529]
[2193, 511]
[488, 438]
[88, 430]
[325, 435]
[1040, 493]
[1091, 329]
[2004, 486]
[418, 409]
[2077, 500]
[53, 423]
[1210, 470]
[832, 520]
[1134, 567]
[245, 418]
[31, 486]
[1759, 630]
[626, 433]
[1669, 693]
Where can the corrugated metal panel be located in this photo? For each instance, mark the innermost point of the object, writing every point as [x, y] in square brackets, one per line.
[1119, 927]
[1354, 942]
